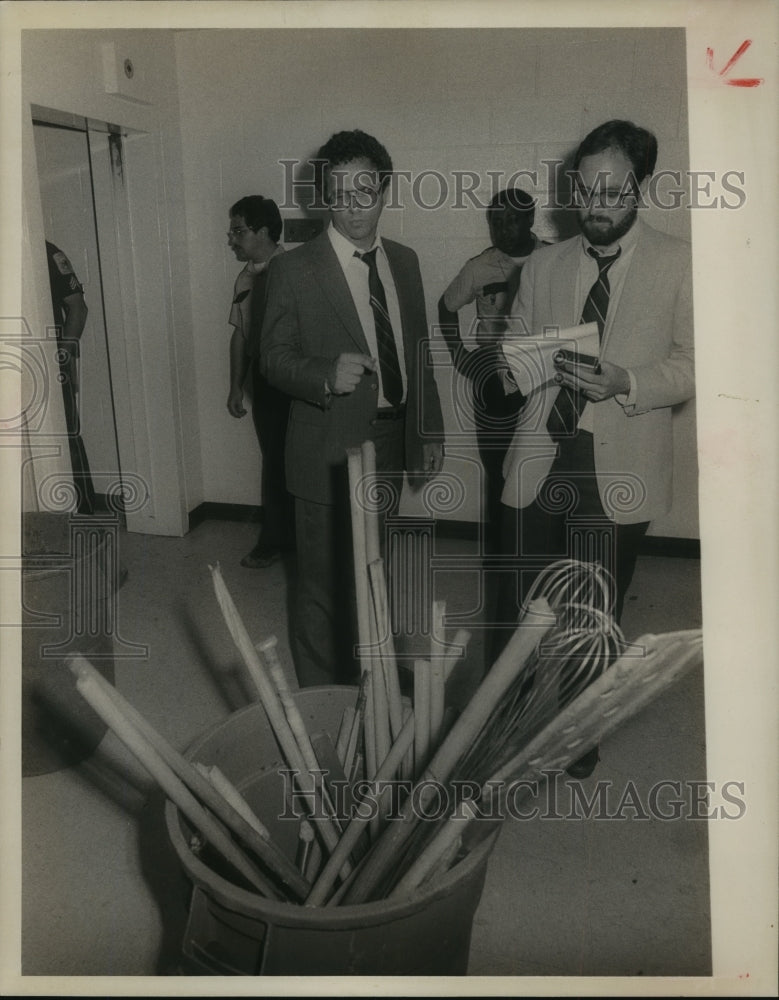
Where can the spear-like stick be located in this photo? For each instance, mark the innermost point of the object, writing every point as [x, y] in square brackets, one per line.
[265, 849]
[276, 716]
[109, 711]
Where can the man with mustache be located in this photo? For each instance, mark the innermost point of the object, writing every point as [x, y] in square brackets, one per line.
[604, 456]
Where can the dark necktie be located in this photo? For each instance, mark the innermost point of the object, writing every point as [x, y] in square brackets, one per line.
[569, 404]
[391, 380]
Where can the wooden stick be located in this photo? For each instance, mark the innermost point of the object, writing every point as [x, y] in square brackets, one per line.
[357, 727]
[306, 840]
[359, 543]
[344, 731]
[520, 646]
[439, 846]
[421, 715]
[389, 660]
[169, 782]
[437, 677]
[461, 639]
[361, 817]
[273, 707]
[266, 850]
[372, 539]
[231, 795]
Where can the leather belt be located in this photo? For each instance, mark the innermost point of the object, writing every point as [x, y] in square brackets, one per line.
[391, 412]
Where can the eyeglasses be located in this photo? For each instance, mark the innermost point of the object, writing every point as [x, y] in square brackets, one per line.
[236, 231]
[363, 198]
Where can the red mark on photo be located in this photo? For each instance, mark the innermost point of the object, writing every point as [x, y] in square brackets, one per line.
[749, 81]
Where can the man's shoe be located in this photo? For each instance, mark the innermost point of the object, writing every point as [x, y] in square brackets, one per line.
[584, 766]
[261, 556]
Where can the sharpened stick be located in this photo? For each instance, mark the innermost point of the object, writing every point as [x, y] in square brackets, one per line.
[233, 797]
[275, 859]
[275, 712]
[168, 781]
[365, 810]
[537, 622]
[437, 678]
[421, 715]
[438, 847]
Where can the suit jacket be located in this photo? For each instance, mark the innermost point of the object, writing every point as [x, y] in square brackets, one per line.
[310, 319]
[651, 333]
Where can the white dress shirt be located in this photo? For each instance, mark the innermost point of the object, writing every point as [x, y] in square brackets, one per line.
[356, 274]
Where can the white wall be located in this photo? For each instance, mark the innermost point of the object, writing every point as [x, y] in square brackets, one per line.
[478, 100]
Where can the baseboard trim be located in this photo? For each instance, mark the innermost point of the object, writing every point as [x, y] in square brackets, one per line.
[652, 545]
[208, 511]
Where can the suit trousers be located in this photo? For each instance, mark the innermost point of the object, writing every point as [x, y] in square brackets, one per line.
[539, 535]
[324, 627]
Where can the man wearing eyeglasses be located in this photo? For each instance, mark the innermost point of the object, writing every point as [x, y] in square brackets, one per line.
[604, 453]
[344, 335]
[255, 230]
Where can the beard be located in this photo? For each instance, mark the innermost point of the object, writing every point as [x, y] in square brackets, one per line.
[602, 231]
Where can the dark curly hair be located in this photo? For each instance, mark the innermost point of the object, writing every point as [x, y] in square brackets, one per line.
[638, 144]
[343, 147]
[257, 212]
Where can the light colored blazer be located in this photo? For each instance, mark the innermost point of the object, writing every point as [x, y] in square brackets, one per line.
[651, 333]
[310, 319]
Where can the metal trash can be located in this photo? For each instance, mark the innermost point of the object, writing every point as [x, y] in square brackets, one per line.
[231, 931]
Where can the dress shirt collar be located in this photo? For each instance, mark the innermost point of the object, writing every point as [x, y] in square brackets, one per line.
[345, 249]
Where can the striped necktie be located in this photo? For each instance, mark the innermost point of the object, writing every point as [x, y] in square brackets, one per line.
[569, 404]
[389, 365]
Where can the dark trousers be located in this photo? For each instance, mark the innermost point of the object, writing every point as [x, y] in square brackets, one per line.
[324, 632]
[270, 412]
[82, 476]
[538, 536]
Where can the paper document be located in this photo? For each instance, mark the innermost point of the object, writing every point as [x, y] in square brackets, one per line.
[531, 358]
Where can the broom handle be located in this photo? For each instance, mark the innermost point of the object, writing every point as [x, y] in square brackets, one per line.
[437, 677]
[168, 781]
[185, 772]
[421, 715]
[538, 621]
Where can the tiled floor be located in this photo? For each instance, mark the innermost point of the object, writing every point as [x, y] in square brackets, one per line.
[103, 893]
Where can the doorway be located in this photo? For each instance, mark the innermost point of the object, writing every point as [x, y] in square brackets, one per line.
[68, 203]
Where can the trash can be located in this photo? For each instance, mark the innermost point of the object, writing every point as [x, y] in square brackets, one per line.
[231, 931]
[68, 589]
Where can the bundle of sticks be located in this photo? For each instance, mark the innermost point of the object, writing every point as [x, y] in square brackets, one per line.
[566, 676]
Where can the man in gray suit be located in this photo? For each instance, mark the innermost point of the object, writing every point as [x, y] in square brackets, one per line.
[344, 335]
[608, 441]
